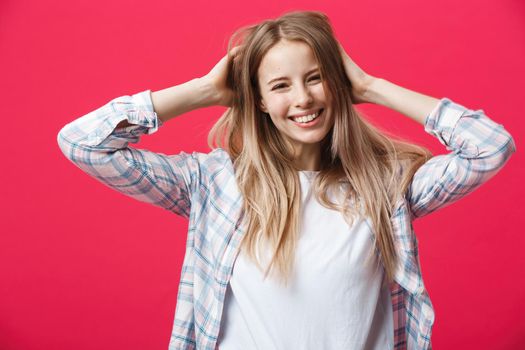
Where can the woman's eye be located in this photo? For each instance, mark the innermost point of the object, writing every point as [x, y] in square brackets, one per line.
[278, 86]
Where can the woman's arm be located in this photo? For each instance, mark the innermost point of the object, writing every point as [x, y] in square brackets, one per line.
[179, 99]
[479, 147]
[98, 142]
[407, 102]
[367, 88]
[197, 93]
[95, 145]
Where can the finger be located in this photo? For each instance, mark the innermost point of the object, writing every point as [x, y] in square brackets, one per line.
[235, 51]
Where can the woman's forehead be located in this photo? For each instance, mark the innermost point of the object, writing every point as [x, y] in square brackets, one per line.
[287, 57]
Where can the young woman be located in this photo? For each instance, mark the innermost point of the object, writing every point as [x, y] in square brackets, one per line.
[298, 183]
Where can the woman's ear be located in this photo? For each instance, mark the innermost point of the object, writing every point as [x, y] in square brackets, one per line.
[262, 106]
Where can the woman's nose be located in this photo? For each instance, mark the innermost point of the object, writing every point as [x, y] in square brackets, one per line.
[303, 97]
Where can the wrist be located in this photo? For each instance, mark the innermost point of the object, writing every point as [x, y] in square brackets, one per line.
[372, 90]
[206, 91]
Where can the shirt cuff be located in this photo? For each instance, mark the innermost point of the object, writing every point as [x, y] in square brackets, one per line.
[141, 102]
[96, 126]
[443, 119]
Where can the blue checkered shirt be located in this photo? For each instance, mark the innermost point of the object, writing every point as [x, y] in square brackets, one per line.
[201, 187]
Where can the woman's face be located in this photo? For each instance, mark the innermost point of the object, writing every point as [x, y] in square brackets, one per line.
[291, 86]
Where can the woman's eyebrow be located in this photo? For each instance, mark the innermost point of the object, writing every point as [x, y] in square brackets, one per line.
[281, 78]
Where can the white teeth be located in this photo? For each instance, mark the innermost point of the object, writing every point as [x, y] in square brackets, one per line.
[306, 118]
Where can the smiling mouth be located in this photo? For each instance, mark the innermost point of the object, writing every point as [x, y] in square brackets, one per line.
[307, 118]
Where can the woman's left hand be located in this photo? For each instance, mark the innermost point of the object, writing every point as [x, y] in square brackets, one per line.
[360, 80]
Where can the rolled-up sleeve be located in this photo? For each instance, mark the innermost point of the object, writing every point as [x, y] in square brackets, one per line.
[95, 145]
[479, 148]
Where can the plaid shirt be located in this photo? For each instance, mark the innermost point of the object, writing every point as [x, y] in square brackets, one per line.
[202, 188]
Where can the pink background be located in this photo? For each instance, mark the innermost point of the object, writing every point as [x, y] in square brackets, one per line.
[84, 267]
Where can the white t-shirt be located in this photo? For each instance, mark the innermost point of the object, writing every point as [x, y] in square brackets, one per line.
[334, 301]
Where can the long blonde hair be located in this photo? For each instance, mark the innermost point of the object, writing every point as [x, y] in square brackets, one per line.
[373, 167]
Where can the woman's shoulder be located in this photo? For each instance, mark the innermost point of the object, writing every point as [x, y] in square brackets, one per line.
[214, 161]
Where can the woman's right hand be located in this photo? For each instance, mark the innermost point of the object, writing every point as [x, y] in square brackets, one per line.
[217, 80]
